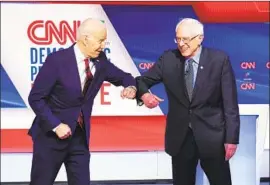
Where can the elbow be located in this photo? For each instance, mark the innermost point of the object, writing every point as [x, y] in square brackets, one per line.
[128, 81]
[31, 100]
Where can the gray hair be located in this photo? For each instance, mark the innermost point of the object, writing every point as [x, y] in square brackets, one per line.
[196, 27]
[88, 26]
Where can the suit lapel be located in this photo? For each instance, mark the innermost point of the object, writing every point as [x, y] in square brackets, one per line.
[200, 78]
[73, 70]
[177, 83]
[97, 65]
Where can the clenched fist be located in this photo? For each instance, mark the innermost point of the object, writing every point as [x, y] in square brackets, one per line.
[230, 150]
[63, 131]
[129, 92]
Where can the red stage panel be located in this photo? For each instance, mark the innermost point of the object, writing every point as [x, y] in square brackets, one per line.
[208, 12]
[230, 12]
[110, 133]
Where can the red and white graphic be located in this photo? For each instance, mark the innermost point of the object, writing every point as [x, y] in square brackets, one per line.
[42, 32]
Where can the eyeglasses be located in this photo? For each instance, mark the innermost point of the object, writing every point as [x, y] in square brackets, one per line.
[185, 40]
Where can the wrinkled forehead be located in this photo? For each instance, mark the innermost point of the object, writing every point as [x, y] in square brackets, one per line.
[185, 30]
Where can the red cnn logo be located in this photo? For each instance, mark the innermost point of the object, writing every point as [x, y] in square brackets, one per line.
[268, 65]
[146, 65]
[248, 65]
[248, 86]
[60, 32]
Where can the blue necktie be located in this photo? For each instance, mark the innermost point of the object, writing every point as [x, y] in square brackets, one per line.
[189, 76]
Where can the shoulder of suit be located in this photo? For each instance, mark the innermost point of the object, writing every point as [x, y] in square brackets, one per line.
[216, 52]
[60, 55]
[172, 52]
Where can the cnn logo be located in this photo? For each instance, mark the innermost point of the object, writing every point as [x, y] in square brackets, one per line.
[248, 65]
[248, 86]
[42, 32]
[146, 65]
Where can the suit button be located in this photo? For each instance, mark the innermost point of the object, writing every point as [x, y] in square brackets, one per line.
[190, 111]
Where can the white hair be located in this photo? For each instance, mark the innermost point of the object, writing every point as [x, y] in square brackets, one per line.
[196, 27]
[88, 26]
[83, 29]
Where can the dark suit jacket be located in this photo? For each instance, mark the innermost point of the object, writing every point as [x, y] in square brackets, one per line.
[56, 96]
[213, 110]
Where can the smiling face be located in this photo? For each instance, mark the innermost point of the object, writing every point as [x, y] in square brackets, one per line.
[188, 39]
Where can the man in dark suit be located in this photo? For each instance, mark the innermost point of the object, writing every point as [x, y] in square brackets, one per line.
[203, 116]
[62, 98]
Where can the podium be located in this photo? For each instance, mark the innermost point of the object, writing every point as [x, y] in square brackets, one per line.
[245, 164]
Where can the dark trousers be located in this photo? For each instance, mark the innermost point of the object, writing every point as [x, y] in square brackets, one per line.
[184, 165]
[47, 161]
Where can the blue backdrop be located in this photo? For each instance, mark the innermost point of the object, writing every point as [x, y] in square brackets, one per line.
[147, 31]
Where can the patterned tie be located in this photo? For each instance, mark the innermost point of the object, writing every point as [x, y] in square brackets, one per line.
[189, 76]
[88, 77]
[87, 81]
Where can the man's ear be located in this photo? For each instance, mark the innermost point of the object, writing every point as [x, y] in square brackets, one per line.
[85, 40]
[201, 37]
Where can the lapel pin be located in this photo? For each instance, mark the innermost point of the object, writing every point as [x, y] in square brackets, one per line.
[201, 67]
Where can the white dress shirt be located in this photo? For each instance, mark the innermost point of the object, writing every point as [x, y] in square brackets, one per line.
[81, 65]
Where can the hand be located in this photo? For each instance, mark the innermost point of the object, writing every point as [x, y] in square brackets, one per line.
[230, 150]
[63, 131]
[129, 92]
[151, 100]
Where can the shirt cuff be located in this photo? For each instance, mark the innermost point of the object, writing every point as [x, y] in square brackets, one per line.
[133, 87]
[54, 129]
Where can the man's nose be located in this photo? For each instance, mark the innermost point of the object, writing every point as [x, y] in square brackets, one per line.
[181, 43]
[102, 45]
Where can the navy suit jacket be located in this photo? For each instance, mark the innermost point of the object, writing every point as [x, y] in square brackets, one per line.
[56, 96]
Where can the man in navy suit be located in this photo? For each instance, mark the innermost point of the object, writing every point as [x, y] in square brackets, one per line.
[62, 98]
[203, 118]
